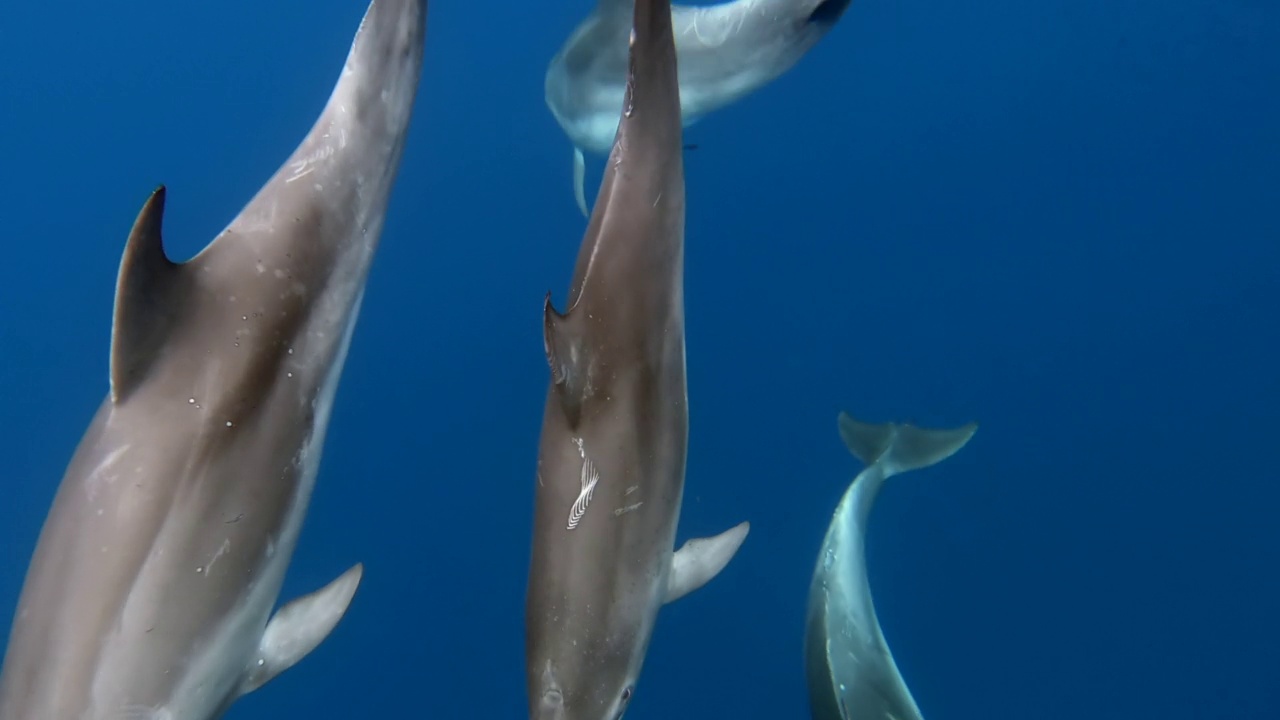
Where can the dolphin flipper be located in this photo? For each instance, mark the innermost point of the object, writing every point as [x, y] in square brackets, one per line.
[299, 627]
[580, 180]
[701, 559]
[900, 448]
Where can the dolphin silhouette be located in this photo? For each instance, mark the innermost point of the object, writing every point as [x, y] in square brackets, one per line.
[851, 673]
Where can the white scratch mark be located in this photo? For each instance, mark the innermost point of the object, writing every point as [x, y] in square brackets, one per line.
[305, 166]
[624, 510]
[145, 712]
[226, 545]
[587, 480]
[103, 474]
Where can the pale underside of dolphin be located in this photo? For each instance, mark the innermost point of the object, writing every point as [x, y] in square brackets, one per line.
[851, 672]
[725, 52]
[611, 456]
[150, 591]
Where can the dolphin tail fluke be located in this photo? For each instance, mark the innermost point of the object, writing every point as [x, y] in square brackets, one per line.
[580, 180]
[299, 627]
[701, 559]
[901, 447]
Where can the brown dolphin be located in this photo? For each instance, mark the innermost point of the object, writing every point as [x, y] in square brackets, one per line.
[150, 589]
[612, 452]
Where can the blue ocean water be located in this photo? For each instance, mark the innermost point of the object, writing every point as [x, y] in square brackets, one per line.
[1056, 218]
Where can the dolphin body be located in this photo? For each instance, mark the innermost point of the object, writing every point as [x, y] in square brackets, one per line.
[149, 592]
[611, 461]
[726, 52]
[851, 673]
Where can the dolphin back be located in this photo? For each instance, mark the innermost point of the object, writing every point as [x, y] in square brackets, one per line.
[150, 592]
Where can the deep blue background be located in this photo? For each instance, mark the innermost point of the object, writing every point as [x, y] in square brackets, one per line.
[1057, 218]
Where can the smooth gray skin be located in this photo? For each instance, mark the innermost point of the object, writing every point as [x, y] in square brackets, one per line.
[611, 458]
[725, 52]
[150, 588]
[851, 673]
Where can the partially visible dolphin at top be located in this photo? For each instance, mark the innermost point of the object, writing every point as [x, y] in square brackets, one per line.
[150, 589]
[611, 457]
[851, 673]
[725, 52]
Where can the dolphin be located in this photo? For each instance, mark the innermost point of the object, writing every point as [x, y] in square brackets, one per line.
[726, 52]
[150, 589]
[611, 456]
[851, 673]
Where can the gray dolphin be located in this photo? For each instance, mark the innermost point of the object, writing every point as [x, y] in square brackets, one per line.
[149, 592]
[851, 673]
[611, 459]
[726, 52]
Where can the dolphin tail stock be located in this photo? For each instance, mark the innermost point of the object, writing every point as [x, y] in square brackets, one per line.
[901, 447]
[299, 627]
[580, 180]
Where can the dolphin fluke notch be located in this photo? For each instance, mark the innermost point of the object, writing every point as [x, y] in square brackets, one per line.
[146, 303]
[299, 627]
[901, 447]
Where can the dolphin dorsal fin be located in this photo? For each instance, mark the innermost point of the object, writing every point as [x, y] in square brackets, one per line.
[299, 627]
[560, 340]
[145, 303]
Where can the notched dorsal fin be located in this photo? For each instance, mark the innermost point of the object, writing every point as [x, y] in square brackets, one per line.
[560, 341]
[901, 447]
[701, 559]
[299, 627]
[145, 299]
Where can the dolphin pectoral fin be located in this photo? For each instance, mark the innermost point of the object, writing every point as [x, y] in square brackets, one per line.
[580, 180]
[701, 559]
[146, 301]
[901, 447]
[299, 627]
